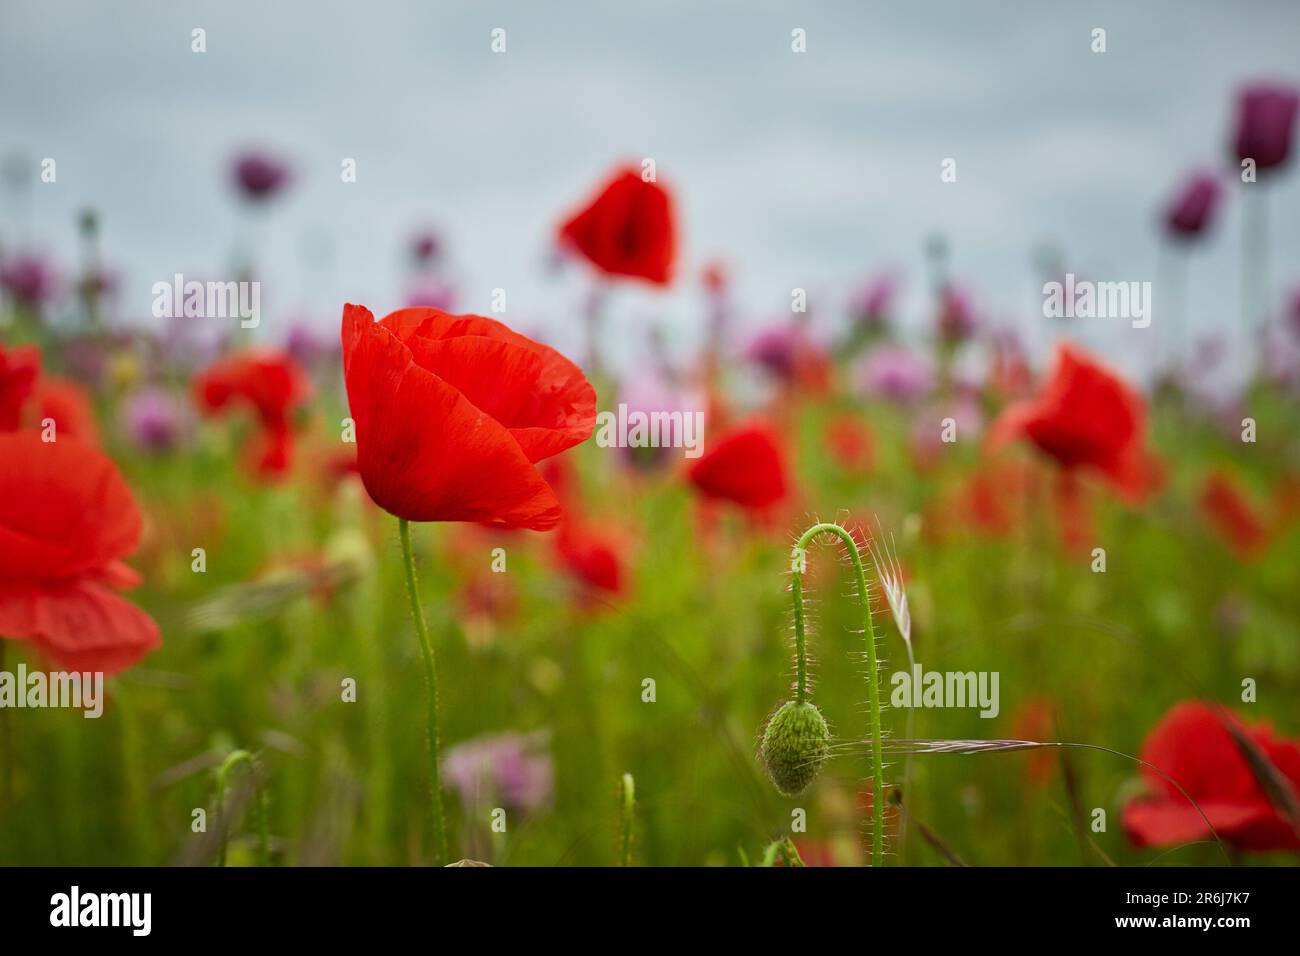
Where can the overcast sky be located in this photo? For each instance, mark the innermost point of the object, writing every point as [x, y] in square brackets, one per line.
[810, 170]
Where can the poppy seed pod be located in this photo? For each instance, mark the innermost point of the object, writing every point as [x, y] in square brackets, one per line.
[795, 744]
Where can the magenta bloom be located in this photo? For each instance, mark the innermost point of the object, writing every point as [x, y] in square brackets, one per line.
[957, 321]
[154, 420]
[777, 349]
[28, 279]
[425, 247]
[871, 305]
[259, 177]
[894, 373]
[512, 769]
[1265, 118]
[1193, 206]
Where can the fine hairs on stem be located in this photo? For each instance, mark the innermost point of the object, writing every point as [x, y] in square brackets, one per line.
[796, 740]
[431, 697]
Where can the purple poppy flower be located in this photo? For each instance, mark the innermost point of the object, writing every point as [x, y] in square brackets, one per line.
[259, 176]
[426, 247]
[871, 305]
[777, 349]
[29, 279]
[1265, 117]
[1192, 208]
[154, 420]
[894, 373]
[514, 769]
[957, 321]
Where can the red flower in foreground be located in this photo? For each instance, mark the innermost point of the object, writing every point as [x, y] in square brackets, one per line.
[66, 520]
[628, 229]
[1193, 746]
[1085, 416]
[273, 386]
[745, 466]
[19, 369]
[1232, 515]
[453, 411]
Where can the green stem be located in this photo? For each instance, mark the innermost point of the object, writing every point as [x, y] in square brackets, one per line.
[797, 567]
[625, 819]
[873, 677]
[431, 697]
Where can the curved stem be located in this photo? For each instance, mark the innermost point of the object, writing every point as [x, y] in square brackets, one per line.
[430, 697]
[873, 677]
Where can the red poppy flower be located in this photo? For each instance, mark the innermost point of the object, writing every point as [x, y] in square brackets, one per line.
[594, 559]
[1193, 746]
[1232, 515]
[19, 369]
[66, 404]
[66, 520]
[273, 386]
[745, 466]
[453, 411]
[628, 229]
[1085, 416]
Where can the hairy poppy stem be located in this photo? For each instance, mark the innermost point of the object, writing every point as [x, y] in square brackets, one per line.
[873, 678]
[430, 697]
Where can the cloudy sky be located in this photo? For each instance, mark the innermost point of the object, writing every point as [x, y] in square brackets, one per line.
[811, 170]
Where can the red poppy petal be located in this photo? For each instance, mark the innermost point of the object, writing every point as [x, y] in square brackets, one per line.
[544, 414]
[82, 625]
[425, 453]
[64, 508]
[1169, 822]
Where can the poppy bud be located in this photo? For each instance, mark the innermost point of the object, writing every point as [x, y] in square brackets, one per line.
[794, 747]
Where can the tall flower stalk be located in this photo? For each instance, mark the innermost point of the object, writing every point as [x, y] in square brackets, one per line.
[890, 576]
[430, 698]
[796, 740]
